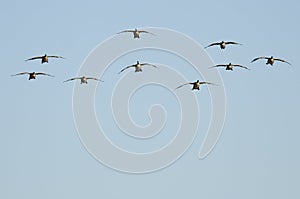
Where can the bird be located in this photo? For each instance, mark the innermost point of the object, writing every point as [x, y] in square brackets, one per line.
[223, 44]
[32, 75]
[196, 84]
[136, 32]
[83, 79]
[138, 66]
[44, 58]
[230, 66]
[270, 60]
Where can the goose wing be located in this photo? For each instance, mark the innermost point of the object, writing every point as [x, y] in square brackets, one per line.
[184, 85]
[145, 31]
[93, 78]
[237, 65]
[44, 74]
[213, 44]
[257, 58]
[125, 31]
[232, 42]
[147, 64]
[218, 65]
[208, 83]
[56, 56]
[74, 78]
[126, 68]
[22, 73]
[33, 58]
[282, 60]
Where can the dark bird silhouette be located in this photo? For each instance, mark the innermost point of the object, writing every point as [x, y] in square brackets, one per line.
[32, 75]
[196, 85]
[44, 58]
[136, 32]
[83, 79]
[270, 60]
[230, 66]
[223, 44]
[138, 66]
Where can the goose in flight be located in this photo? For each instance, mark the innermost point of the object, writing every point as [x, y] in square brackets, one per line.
[138, 66]
[32, 75]
[223, 44]
[44, 58]
[136, 32]
[270, 60]
[83, 79]
[196, 85]
[230, 66]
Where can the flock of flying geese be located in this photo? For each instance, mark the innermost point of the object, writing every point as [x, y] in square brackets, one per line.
[138, 66]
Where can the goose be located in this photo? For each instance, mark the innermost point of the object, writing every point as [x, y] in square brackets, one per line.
[196, 85]
[270, 60]
[136, 32]
[137, 66]
[83, 79]
[44, 58]
[230, 66]
[32, 75]
[223, 44]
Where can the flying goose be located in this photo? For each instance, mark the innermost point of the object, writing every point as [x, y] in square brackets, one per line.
[230, 66]
[44, 58]
[196, 85]
[32, 75]
[136, 32]
[83, 79]
[270, 60]
[223, 44]
[137, 66]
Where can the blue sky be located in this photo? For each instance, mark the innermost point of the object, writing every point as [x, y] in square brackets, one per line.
[257, 155]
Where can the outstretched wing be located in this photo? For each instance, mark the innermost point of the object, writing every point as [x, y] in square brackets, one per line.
[258, 59]
[23, 73]
[144, 31]
[147, 64]
[213, 44]
[208, 83]
[74, 78]
[219, 65]
[33, 58]
[125, 31]
[44, 74]
[126, 68]
[93, 78]
[232, 42]
[184, 85]
[55, 56]
[237, 65]
[282, 61]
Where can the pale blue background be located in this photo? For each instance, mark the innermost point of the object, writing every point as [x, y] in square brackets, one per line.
[257, 155]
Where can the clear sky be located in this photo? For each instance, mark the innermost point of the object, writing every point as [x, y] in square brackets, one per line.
[257, 155]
